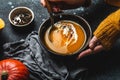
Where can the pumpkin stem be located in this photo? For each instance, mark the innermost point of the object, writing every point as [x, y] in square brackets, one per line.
[4, 75]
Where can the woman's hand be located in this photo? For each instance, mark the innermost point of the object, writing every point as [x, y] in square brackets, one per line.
[94, 47]
[58, 5]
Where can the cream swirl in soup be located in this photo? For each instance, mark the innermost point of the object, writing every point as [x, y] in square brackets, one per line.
[67, 38]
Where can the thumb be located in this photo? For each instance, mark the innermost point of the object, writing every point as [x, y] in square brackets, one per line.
[93, 42]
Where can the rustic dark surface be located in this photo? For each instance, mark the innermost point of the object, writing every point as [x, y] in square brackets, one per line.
[102, 66]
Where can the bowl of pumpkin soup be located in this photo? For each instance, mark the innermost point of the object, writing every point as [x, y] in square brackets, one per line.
[69, 35]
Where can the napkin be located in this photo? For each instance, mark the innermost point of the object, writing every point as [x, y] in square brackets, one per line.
[41, 64]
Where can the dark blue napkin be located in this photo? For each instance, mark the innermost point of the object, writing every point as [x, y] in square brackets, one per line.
[41, 64]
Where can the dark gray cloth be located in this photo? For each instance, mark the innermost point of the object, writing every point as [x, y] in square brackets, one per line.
[41, 64]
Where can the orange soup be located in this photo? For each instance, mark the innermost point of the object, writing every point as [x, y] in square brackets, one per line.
[67, 37]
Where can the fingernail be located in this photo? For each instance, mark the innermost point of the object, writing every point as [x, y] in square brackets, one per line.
[91, 46]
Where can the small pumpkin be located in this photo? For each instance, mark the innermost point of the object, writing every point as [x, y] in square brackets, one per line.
[12, 69]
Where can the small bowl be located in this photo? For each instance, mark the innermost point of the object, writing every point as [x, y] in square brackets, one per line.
[81, 21]
[21, 16]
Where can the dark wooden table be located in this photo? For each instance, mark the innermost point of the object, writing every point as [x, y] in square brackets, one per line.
[102, 66]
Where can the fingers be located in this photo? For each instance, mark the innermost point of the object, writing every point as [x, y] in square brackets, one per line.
[98, 48]
[43, 2]
[56, 0]
[93, 42]
[54, 4]
[94, 47]
[89, 51]
[84, 53]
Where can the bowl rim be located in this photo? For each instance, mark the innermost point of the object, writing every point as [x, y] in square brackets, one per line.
[84, 45]
[20, 7]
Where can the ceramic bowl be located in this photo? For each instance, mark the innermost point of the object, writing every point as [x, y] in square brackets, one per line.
[21, 16]
[78, 19]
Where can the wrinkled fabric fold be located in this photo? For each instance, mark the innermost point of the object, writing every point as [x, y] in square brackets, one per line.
[40, 64]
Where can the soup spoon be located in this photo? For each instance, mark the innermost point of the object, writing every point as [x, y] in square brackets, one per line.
[49, 9]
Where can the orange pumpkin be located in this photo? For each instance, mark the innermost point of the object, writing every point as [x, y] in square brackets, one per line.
[11, 69]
